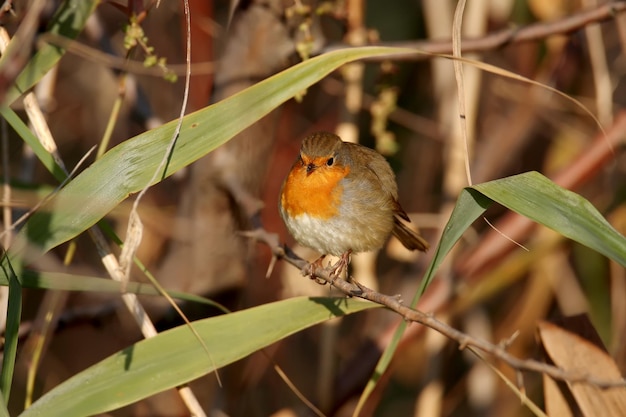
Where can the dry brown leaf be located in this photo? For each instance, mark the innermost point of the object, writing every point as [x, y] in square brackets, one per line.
[580, 356]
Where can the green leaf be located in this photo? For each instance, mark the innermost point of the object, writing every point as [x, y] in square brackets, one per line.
[4, 412]
[68, 22]
[175, 357]
[11, 332]
[27, 136]
[469, 207]
[532, 195]
[541, 200]
[44, 280]
[128, 167]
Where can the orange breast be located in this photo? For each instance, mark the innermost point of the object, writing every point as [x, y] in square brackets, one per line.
[317, 194]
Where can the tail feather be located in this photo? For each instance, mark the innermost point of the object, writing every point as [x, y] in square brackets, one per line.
[409, 237]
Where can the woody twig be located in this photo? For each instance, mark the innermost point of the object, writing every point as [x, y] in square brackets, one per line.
[354, 289]
[499, 39]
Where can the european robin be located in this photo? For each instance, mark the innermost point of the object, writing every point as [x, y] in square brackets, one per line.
[341, 198]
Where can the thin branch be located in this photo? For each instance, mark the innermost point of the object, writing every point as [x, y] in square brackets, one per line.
[502, 38]
[92, 54]
[394, 303]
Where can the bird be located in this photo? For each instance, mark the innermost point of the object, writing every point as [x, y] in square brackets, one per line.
[341, 198]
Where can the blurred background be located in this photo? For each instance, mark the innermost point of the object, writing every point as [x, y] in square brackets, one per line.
[408, 110]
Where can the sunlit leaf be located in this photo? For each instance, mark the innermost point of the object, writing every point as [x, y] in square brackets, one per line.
[532, 195]
[536, 197]
[128, 167]
[175, 356]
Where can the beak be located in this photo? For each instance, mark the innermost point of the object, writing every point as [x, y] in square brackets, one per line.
[310, 168]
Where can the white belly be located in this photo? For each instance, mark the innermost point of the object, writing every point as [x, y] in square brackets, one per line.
[334, 237]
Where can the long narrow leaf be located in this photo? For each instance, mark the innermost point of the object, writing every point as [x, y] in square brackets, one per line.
[14, 313]
[128, 167]
[175, 357]
[4, 411]
[44, 280]
[534, 196]
[68, 21]
[31, 140]
[469, 207]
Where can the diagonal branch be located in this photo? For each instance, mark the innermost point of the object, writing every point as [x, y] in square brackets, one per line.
[533, 32]
[394, 303]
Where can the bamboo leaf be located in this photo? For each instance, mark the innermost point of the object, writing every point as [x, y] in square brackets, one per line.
[4, 412]
[128, 167]
[68, 21]
[31, 140]
[532, 195]
[175, 357]
[11, 332]
[45, 280]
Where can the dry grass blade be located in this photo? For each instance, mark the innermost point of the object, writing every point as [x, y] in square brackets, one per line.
[534, 408]
[135, 227]
[511, 75]
[458, 73]
[601, 75]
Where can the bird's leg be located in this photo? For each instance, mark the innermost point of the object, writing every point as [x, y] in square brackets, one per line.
[334, 271]
[313, 267]
[338, 268]
[341, 264]
[317, 264]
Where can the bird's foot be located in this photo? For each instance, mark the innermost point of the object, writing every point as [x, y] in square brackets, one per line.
[312, 268]
[337, 269]
[332, 271]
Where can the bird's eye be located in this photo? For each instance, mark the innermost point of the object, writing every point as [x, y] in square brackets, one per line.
[330, 162]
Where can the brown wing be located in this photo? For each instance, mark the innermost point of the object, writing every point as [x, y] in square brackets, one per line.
[407, 236]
